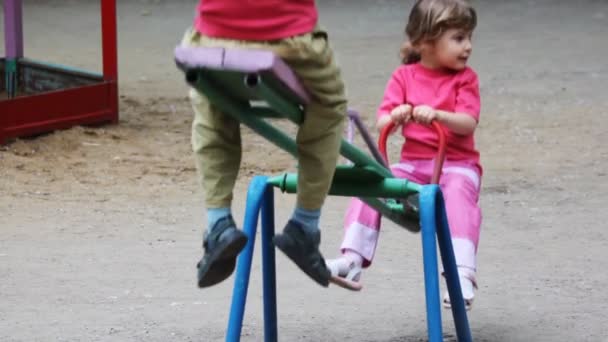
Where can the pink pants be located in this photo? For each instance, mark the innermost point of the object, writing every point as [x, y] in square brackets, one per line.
[460, 184]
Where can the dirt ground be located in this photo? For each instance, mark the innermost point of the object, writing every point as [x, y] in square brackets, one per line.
[100, 228]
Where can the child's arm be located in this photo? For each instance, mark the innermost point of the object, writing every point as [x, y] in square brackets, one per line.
[399, 115]
[459, 123]
[393, 107]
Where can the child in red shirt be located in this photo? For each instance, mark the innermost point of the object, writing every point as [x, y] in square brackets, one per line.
[289, 29]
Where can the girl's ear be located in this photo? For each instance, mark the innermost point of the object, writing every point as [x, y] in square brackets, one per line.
[425, 46]
[417, 47]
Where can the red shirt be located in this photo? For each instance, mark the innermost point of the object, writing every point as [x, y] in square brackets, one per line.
[456, 92]
[255, 19]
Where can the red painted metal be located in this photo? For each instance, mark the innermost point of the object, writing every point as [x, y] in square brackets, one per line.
[386, 132]
[92, 104]
[110, 52]
[35, 114]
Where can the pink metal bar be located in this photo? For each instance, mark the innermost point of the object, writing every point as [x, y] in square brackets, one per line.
[13, 29]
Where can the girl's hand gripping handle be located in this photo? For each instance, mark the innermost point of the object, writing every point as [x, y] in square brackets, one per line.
[386, 131]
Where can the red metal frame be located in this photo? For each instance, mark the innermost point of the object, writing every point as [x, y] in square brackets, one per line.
[91, 104]
[110, 54]
[386, 132]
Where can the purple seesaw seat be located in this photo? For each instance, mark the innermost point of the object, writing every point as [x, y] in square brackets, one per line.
[241, 60]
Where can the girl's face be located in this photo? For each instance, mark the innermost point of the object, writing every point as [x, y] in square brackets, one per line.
[451, 50]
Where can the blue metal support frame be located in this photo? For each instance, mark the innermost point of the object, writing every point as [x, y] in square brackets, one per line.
[260, 198]
[435, 230]
[434, 222]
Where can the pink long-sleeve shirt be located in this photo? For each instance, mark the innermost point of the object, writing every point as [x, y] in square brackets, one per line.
[255, 19]
[456, 92]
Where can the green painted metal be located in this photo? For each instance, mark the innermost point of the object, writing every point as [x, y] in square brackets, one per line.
[280, 104]
[235, 93]
[385, 188]
[10, 74]
[395, 211]
[265, 112]
[357, 174]
[369, 191]
[56, 66]
[362, 159]
[237, 105]
[240, 111]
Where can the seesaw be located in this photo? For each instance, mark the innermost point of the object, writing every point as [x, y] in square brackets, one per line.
[255, 85]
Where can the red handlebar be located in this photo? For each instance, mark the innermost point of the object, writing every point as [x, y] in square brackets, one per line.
[440, 152]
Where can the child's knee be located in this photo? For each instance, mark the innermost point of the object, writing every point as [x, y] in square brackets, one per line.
[463, 186]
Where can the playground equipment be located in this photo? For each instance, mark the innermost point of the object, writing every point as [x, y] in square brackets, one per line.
[38, 97]
[440, 151]
[251, 85]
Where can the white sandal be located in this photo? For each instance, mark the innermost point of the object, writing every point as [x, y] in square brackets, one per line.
[345, 273]
[467, 287]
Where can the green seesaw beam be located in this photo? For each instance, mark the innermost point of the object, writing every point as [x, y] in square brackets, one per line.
[253, 94]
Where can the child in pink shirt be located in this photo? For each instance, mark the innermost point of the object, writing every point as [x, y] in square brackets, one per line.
[433, 84]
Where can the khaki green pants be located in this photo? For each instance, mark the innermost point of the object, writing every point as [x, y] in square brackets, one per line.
[216, 137]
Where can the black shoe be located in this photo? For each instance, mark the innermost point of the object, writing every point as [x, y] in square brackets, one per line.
[222, 246]
[302, 247]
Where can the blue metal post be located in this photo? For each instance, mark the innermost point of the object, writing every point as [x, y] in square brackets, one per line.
[459, 313]
[255, 196]
[433, 219]
[429, 253]
[260, 198]
[268, 267]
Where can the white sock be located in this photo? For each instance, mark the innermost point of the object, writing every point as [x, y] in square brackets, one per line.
[467, 288]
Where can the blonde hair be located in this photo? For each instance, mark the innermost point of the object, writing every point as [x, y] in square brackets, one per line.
[430, 18]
